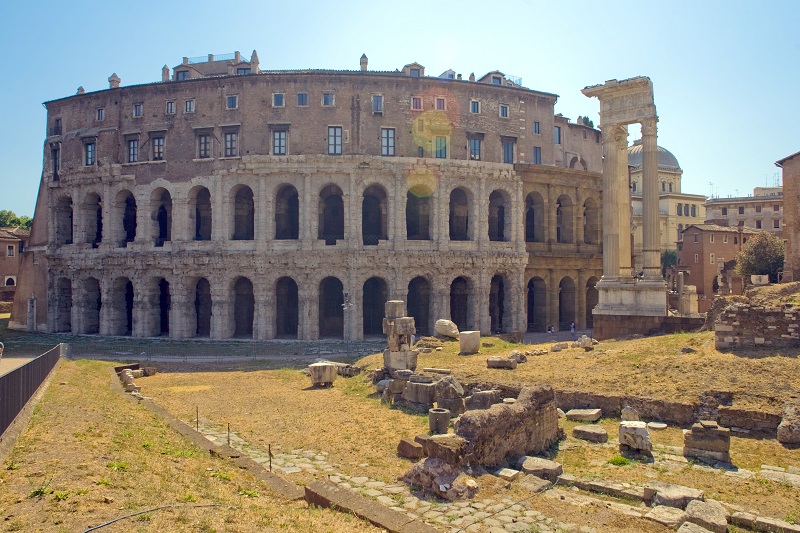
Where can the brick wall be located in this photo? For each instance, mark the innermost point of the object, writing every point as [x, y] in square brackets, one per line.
[745, 325]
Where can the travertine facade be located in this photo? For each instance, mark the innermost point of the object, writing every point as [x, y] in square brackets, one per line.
[235, 202]
[791, 215]
[763, 210]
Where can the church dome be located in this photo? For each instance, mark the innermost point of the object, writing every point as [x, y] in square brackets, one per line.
[666, 161]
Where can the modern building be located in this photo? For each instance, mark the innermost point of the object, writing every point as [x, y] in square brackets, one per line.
[763, 210]
[12, 244]
[790, 167]
[230, 201]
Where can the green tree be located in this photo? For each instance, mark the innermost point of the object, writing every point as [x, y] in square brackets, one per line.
[761, 254]
[669, 258]
[9, 219]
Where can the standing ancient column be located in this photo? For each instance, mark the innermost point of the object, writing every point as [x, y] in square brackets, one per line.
[611, 194]
[651, 242]
[624, 204]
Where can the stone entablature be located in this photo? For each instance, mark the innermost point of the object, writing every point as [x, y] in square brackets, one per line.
[743, 325]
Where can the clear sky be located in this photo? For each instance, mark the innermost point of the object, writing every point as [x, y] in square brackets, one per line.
[726, 74]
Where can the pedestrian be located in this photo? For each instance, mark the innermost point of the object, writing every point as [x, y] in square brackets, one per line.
[572, 329]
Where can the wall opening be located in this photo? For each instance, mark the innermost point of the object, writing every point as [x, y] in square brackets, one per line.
[243, 214]
[93, 212]
[459, 215]
[497, 304]
[459, 302]
[564, 220]
[63, 322]
[92, 302]
[162, 214]
[373, 216]
[537, 305]
[121, 315]
[243, 308]
[200, 213]
[591, 222]
[418, 214]
[331, 214]
[287, 213]
[419, 304]
[286, 308]
[498, 231]
[534, 218]
[202, 308]
[374, 298]
[63, 214]
[164, 304]
[592, 299]
[331, 311]
[566, 303]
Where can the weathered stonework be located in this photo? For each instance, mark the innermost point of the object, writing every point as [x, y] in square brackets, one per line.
[744, 325]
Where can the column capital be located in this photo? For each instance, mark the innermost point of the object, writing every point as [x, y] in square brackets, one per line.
[649, 126]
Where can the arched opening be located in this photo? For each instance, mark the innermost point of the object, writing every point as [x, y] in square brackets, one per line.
[373, 215]
[331, 310]
[592, 299]
[63, 215]
[497, 304]
[10, 282]
[63, 323]
[161, 202]
[459, 215]
[243, 214]
[243, 308]
[670, 186]
[93, 213]
[286, 308]
[418, 213]
[164, 304]
[374, 298]
[92, 302]
[564, 220]
[534, 218]
[498, 229]
[566, 303]
[419, 304]
[331, 214]
[202, 308]
[287, 213]
[591, 222]
[121, 315]
[459, 302]
[537, 305]
[200, 213]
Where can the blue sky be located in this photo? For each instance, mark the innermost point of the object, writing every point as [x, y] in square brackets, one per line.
[726, 75]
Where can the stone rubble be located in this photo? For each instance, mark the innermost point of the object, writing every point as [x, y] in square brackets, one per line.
[707, 441]
[634, 438]
[584, 415]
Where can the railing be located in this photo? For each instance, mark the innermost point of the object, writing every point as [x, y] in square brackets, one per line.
[18, 386]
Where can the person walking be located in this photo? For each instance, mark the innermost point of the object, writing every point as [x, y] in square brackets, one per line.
[572, 329]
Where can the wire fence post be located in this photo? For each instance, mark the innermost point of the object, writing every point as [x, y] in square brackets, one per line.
[197, 418]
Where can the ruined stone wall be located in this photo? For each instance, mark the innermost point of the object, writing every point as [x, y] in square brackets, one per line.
[744, 325]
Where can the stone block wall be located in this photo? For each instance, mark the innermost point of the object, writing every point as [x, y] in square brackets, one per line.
[744, 325]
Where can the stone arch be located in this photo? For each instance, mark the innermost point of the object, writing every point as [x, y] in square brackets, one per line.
[534, 217]
[499, 216]
[331, 308]
[200, 213]
[374, 298]
[592, 299]
[243, 212]
[591, 221]
[497, 304]
[63, 306]
[125, 207]
[202, 308]
[243, 307]
[460, 201]
[64, 223]
[565, 220]
[161, 214]
[286, 308]
[575, 161]
[419, 304]
[537, 304]
[374, 214]
[121, 305]
[11, 282]
[419, 205]
[460, 302]
[93, 219]
[331, 214]
[92, 303]
[566, 303]
[287, 213]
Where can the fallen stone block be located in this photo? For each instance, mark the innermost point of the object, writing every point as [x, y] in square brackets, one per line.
[449, 448]
[634, 436]
[448, 387]
[661, 493]
[446, 328]
[629, 414]
[419, 393]
[533, 483]
[667, 516]
[381, 385]
[689, 527]
[322, 374]
[394, 309]
[584, 415]
[742, 519]
[592, 433]
[539, 467]
[507, 474]
[483, 399]
[706, 439]
[469, 342]
[454, 405]
[764, 523]
[501, 362]
[789, 428]
[410, 449]
[518, 356]
[401, 360]
[708, 514]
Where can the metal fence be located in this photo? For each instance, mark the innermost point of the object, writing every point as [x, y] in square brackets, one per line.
[19, 385]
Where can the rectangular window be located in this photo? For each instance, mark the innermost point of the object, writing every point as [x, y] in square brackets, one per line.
[776, 224]
[204, 146]
[89, 155]
[741, 210]
[440, 104]
[133, 150]
[420, 151]
[474, 106]
[711, 259]
[277, 100]
[508, 152]
[686, 210]
[696, 258]
[415, 73]
[334, 140]
[231, 144]
[56, 127]
[711, 238]
[694, 208]
[242, 71]
[101, 114]
[475, 149]
[536, 128]
[387, 141]
[10, 250]
[158, 148]
[557, 134]
[138, 110]
[377, 104]
[725, 239]
[696, 238]
[302, 99]
[170, 107]
[327, 99]
[279, 142]
[55, 156]
[497, 80]
[441, 147]
[758, 209]
[758, 224]
[537, 155]
[231, 101]
[188, 106]
[680, 209]
[503, 111]
[182, 75]
[776, 208]
[724, 211]
[416, 103]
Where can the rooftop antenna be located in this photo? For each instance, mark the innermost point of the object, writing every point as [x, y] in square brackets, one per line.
[712, 189]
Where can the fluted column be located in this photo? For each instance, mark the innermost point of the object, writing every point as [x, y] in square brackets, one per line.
[612, 135]
[650, 211]
[624, 205]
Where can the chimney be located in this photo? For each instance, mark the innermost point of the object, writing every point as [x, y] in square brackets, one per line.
[81, 90]
[237, 57]
[185, 60]
[363, 62]
[471, 76]
[113, 81]
[254, 62]
[165, 73]
[210, 58]
[458, 76]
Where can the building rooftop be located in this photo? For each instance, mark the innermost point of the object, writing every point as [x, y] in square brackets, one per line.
[727, 229]
[14, 233]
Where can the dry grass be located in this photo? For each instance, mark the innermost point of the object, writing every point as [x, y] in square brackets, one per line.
[90, 455]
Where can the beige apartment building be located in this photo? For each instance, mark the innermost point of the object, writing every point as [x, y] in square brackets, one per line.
[763, 210]
[12, 244]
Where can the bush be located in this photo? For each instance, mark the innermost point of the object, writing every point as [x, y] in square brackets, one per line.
[761, 254]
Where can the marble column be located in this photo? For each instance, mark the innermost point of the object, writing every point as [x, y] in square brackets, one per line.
[651, 242]
[624, 205]
[611, 193]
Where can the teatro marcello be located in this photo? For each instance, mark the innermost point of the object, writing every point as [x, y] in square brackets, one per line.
[231, 201]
